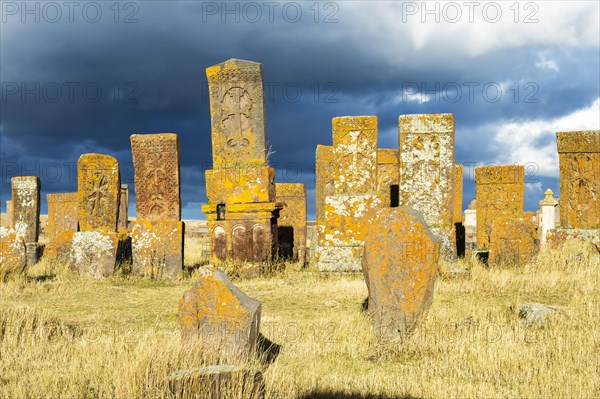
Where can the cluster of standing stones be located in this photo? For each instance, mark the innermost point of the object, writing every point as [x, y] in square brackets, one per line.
[391, 213]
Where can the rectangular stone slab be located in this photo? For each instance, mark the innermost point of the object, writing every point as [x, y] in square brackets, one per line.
[157, 186]
[579, 163]
[237, 110]
[427, 166]
[292, 218]
[500, 193]
[98, 192]
[355, 152]
[157, 248]
[62, 214]
[26, 207]
[325, 172]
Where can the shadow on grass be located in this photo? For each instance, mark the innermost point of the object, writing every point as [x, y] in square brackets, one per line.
[341, 395]
[267, 349]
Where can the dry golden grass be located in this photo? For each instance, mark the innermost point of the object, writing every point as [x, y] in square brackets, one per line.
[65, 336]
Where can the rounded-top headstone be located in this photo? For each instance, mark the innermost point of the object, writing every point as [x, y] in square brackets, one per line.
[400, 266]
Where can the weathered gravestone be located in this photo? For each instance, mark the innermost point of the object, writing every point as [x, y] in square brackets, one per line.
[158, 233]
[12, 253]
[547, 215]
[325, 172]
[347, 212]
[400, 267]
[291, 225]
[579, 162]
[512, 242]
[427, 172]
[500, 194]
[216, 311]
[241, 210]
[26, 212]
[97, 247]
[62, 214]
[99, 192]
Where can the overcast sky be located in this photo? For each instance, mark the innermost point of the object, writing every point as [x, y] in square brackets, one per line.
[82, 77]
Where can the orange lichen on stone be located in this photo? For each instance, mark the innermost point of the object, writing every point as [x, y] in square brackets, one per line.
[156, 163]
[216, 311]
[400, 266]
[500, 194]
[13, 257]
[62, 214]
[59, 249]
[511, 242]
[242, 185]
[355, 153]
[26, 207]
[579, 163]
[291, 225]
[388, 173]
[347, 220]
[99, 188]
[157, 248]
[325, 173]
[237, 114]
[457, 194]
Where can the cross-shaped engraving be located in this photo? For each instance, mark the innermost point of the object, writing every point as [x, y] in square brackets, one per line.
[236, 112]
[97, 193]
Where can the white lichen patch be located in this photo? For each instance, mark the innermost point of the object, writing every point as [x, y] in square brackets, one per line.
[90, 244]
[20, 228]
[25, 190]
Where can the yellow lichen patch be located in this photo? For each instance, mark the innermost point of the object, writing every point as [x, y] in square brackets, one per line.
[579, 162]
[400, 267]
[62, 214]
[457, 194]
[214, 310]
[157, 248]
[325, 172]
[355, 152]
[99, 192]
[12, 253]
[60, 247]
[500, 194]
[511, 242]
[291, 224]
[250, 184]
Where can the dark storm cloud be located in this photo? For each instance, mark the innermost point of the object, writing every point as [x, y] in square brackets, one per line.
[116, 79]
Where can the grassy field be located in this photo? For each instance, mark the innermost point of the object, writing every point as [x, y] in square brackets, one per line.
[65, 336]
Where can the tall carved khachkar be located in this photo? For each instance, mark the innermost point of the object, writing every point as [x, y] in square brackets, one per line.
[291, 225]
[500, 194]
[348, 186]
[242, 210]
[97, 247]
[427, 172]
[26, 213]
[157, 234]
[579, 162]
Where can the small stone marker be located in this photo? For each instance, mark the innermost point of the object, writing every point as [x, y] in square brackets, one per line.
[95, 253]
[217, 381]
[291, 225]
[62, 214]
[325, 176]
[123, 207]
[500, 194]
[511, 242]
[12, 253]
[400, 267]
[215, 310]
